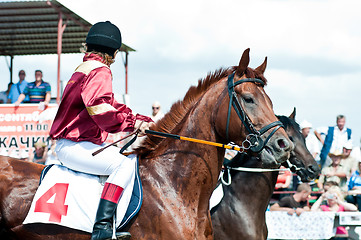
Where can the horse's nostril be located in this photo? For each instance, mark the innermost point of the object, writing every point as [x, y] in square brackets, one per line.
[314, 168]
[281, 143]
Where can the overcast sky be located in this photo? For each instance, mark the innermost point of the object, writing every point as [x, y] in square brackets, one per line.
[313, 49]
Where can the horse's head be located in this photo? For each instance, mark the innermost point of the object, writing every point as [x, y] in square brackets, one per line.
[246, 112]
[300, 156]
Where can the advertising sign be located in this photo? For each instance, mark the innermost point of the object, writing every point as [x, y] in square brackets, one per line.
[21, 127]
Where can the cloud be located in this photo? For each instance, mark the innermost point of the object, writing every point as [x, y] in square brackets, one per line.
[318, 99]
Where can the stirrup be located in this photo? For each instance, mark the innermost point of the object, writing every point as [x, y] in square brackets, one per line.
[118, 235]
[123, 235]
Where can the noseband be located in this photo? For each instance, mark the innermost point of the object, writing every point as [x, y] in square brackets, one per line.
[254, 140]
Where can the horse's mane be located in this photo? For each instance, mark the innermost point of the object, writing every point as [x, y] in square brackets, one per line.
[180, 108]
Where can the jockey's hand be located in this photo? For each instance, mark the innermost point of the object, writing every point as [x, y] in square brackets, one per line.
[143, 126]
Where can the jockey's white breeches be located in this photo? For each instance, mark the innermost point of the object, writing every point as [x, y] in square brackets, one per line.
[78, 156]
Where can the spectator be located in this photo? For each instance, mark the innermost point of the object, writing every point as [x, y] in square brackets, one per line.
[335, 172]
[335, 138]
[156, 112]
[39, 153]
[18, 88]
[329, 184]
[354, 187]
[296, 203]
[4, 94]
[284, 180]
[38, 91]
[311, 140]
[348, 159]
[335, 203]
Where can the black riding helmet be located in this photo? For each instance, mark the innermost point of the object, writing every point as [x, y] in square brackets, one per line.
[104, 37]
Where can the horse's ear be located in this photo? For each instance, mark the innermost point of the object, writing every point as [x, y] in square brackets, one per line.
[243, 63]
[263, 66]
[293, 114]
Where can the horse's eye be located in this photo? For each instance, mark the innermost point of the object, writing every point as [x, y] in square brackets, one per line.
[248, 99]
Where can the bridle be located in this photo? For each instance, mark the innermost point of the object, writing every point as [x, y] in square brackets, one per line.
[290, 167]
[253, 139]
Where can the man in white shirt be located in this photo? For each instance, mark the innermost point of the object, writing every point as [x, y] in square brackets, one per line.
[156, 112]
[335, 138]
[312, 143]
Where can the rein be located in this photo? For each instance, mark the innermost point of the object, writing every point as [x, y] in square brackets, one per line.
[246, 144]
[254, 136]
[135, 133]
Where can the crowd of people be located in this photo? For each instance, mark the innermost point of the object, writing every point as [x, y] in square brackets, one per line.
[27, 92]
[338, 187]
[21, 92]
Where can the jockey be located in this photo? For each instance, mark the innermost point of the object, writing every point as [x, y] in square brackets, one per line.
[87, 113]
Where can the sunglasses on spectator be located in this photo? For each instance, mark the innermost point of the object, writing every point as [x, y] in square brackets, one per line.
[155, 107]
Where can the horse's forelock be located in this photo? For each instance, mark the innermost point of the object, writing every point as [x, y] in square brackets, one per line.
[180, 109]
[252, 73]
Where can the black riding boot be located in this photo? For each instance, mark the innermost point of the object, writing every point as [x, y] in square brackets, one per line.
[103, 226]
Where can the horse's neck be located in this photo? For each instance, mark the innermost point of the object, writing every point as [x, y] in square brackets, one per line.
[189, 170]
[243, 206]
[256, 188]
[206, 161]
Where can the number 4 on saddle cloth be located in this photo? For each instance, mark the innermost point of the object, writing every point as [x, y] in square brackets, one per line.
[69, 198]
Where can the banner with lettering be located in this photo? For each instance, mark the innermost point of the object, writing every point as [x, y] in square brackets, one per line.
[21, 127]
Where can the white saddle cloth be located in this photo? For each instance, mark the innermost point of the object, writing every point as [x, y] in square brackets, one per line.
[71, 199]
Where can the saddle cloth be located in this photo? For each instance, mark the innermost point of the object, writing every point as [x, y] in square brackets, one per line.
[69, 198]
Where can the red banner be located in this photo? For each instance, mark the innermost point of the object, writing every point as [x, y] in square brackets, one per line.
[21, 127]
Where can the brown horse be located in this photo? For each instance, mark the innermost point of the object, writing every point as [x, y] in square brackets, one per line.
[177, 177]
[241, 214]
